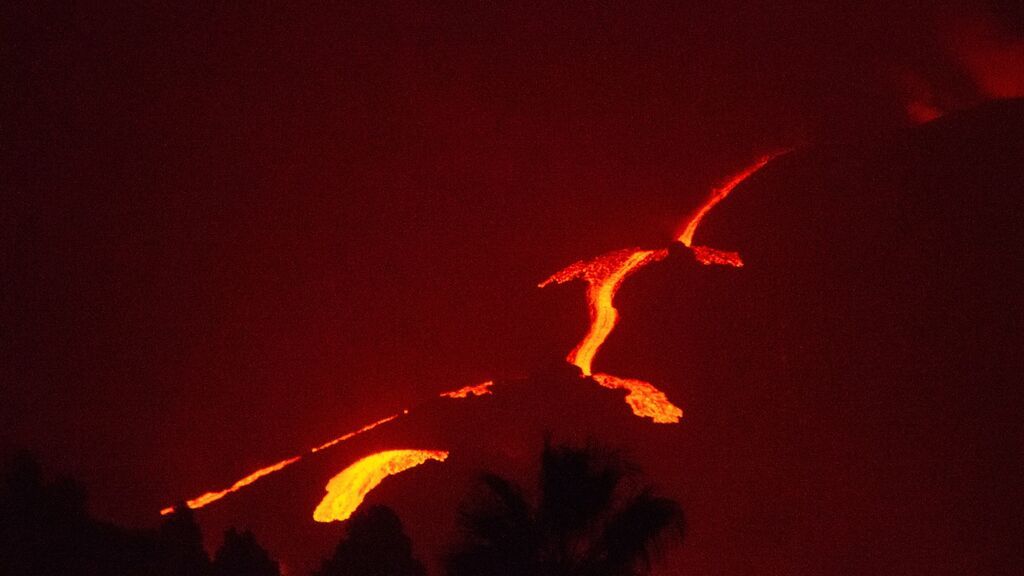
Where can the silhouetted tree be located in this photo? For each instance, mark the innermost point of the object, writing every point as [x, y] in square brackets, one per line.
[374, 545]
[45, 527]
[180, 543]
[241, 555]
[592, 519]
[21, 497]
[46, 530]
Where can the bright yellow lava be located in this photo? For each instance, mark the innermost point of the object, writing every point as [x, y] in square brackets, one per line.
[345, 492]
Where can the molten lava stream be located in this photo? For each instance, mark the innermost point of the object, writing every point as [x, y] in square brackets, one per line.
[481, 389]
[604, 276]
[712, 257]
[209, 497]
[200, 501]
[366, 428]
[643, 398]
[719, 194]
[345, 492]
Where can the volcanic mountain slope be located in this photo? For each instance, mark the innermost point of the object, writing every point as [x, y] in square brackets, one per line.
[853, 396]
[852, 393]
[502, 432]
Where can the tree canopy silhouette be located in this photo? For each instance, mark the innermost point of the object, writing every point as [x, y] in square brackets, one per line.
[180, 543]
[592, 518]
[44, 527]
[374, 545]
[241, 555]
[46, 530]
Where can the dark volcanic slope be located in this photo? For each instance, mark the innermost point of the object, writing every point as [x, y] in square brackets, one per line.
[502, 432]
[853, 394]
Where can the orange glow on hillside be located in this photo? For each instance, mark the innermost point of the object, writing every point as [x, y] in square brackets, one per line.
[719, 193]
[603, 275]
[645, 400]
[209, 497]
[345, 492]
[464, 392]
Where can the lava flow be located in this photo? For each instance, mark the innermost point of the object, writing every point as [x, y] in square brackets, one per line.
[711, 256]
[209, 497]
[345, 492]
[643, 398]
[203, 500]
[366, 428]
[604, 276]
[200, 501]
[719, 194]
[477, 390]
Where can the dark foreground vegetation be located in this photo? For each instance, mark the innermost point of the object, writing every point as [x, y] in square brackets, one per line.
[592, 517]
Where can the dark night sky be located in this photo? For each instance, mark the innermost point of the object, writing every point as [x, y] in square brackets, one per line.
[231, 233]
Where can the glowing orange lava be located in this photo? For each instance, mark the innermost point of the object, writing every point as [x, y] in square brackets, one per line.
[466, 391]
[645, 400]
[719, 193]
[345, 492]
[603, 275]
[200, 501]
[366, 428]
[710, 256]
[205, 499]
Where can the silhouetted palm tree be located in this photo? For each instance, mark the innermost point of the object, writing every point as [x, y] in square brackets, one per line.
[375, 545]
[592, 519]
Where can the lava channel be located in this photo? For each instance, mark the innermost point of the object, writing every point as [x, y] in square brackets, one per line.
[345, 492]
[210, 497]
[481, 389]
